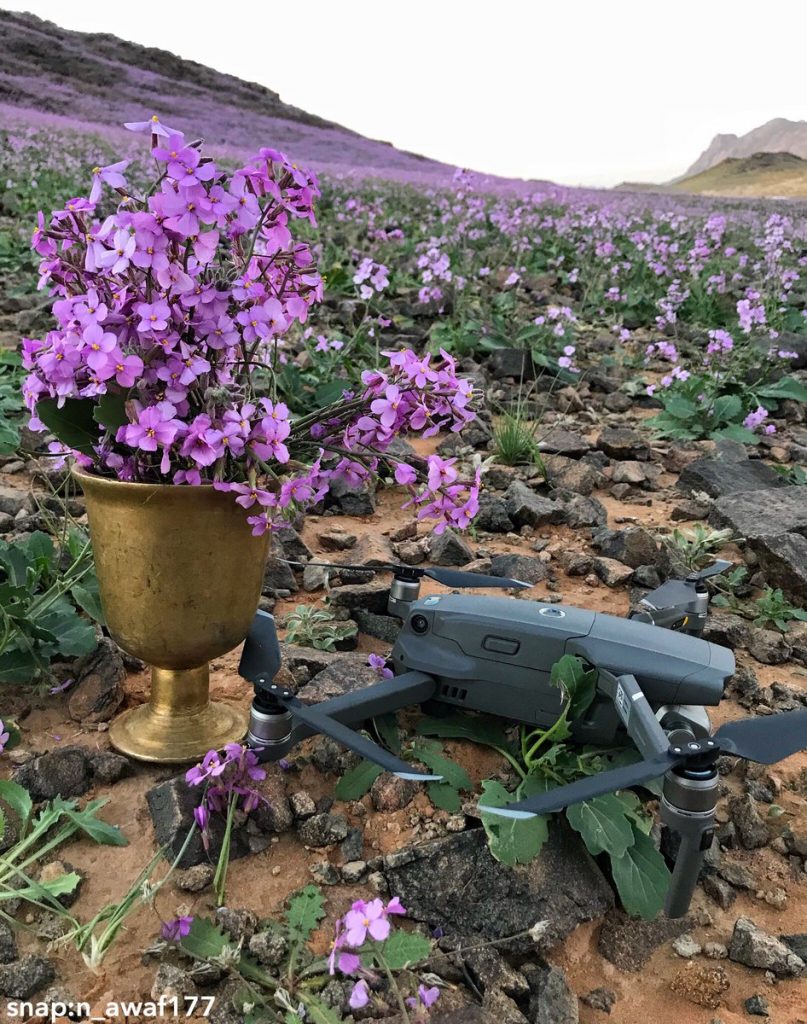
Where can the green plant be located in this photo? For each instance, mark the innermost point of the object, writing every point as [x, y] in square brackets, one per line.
[11, 404]
[308, 626]
[772, 608]
[515, 442]
[43, 584]
[692, 547]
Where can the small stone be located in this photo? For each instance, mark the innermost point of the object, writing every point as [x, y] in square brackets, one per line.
[527, 508]
[629, 944]
[456, 823]
[611, 572]
[685, 946]
[66, 772]
[354, 871]
[629, 473]
[353, 501]
[701, 984]
[757, 1006]
[715, 950]
[776, 897]
[273, 813]
[196, 878]
[325, 873]
[315, 577]
[268, 948]
[323, 829]
[99, 690]
[8, 944]
[633, 547]
[755, 948]
[519, 567]
[335, 539]
[492, 516]
[108, 767]
[172, 983]
[553, 1002]
[623, 443]
[601, 999]
[737, 875]
[24, 977]
[239, 923]
[353, 847]
[392, 793]
[752, 830]
[580, 511]
[302, 805]
[448, 548]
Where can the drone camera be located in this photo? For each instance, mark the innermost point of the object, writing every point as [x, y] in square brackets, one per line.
[419, 624]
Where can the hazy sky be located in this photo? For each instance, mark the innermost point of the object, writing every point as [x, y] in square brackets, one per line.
[578, 91]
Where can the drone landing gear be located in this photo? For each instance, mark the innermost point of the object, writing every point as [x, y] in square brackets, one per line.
[688, 808]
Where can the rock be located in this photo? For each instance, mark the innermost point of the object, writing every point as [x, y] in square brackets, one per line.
[196, 878]
[559, 441]
[412, 552]
[601, 999]
[489, 968]
[471, 1013]
[269, 948]
[278, 575]
[725, 628]
[66, 772]
[581, 511]
[493, 516]
[634, 546]
[752, 830]
[392, 793]
[686, 947]
[353, 847]
[171, 805]
[22, 978]
[623, 443]
[511, 362]
[629, 473]
[239, 923]
[563, 886]
[352, 501]
[99, 690]
[763, 513]
[612, 572]
[768, 646]
[14, 500]
[372, 597]
[344, 675]
[323, 830]
[646, 576]
[383, 627]
[688, 511]
[701, 984]
[502, 1008]
[720, 891]
[798, 943]
[618, 401]
[353, 871]
[715, 950]
[519, 567]
[554, 1002]
[325, 873]
[737, 875]
[302, 805]
[336, 539]
[755, 948]
[720, 477]
[8, 944]
[273, 813]
[448, 548]
[526, 508]
[783, 559]
[288, 543]
[628, 943]
[573, 475]
[757, 1006]
[109, 767]
[315, 577]
[172, 983]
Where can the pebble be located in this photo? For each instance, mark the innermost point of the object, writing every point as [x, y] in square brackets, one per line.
[716, 950]
[687, 947]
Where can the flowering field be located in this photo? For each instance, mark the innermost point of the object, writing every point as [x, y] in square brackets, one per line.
[589, 391]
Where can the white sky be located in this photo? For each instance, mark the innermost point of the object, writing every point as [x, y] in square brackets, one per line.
[577, 91]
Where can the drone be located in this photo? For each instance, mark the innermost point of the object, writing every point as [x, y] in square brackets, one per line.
[656, 676]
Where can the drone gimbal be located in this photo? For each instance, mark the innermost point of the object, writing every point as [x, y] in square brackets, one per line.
[655, 677]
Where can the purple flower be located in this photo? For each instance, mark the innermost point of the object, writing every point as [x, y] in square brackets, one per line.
[379, 666]
[173, 931]
[360, 995]
[366, 919]
[4, 736]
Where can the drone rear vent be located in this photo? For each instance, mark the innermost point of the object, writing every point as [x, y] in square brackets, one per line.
[453, 693]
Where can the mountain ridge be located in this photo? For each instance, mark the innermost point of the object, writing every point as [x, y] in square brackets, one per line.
[779, 135]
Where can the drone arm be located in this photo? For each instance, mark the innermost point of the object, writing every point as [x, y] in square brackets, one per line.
[635, 712]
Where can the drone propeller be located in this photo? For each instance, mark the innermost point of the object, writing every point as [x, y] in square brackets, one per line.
[448, 577]
[766, 740]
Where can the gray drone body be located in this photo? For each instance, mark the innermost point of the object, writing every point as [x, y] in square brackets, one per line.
[496, 654]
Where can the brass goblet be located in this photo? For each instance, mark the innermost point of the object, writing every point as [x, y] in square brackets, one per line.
[180, 577]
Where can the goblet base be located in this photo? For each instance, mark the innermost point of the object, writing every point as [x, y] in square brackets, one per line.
[149, 734]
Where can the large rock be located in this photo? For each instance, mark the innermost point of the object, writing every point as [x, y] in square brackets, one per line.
[755, 948]
[352, 501]
[527, 508]
[559, 441]
[278, 575]
[493, 516]
[519, 567]
[623, 443]
[552, 1002]
[783, 560]
[99, 692]
[22, 978]
[634, 546]
[573, 475]
[456, 884]
[68, 772]
[720, 477]
[448, 548]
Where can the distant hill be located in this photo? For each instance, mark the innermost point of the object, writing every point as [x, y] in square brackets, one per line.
[761, 174]
[100, 79]
[776, 136]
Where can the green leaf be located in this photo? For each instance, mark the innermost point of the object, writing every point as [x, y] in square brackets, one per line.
[679, 407]
[110, 411]
[387, 728]
[205, 940]
[357, 781]
[453, 774]
[634, 809]
[41, 552]
[16, 561]
[402, 949]
[480, 729]
[75, 636]
[602, 824]
[88, 597]
[60, 886]
[513, 840]
[9, 438]
[444, 796]
[577, 684]
[306, 910]
[329, 392]
[18, 666]
[100, 831]
[19, 800]
[787, 387]
[736, 432]
[319, 1013]
[727, 408]
[73, 423]
[641, 877]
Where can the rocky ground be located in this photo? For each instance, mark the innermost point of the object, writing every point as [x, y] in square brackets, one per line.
[590, 535]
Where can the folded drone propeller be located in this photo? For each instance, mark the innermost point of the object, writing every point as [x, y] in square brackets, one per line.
[448, 577]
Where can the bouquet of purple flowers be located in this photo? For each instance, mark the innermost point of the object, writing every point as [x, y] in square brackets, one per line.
[171, 315]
